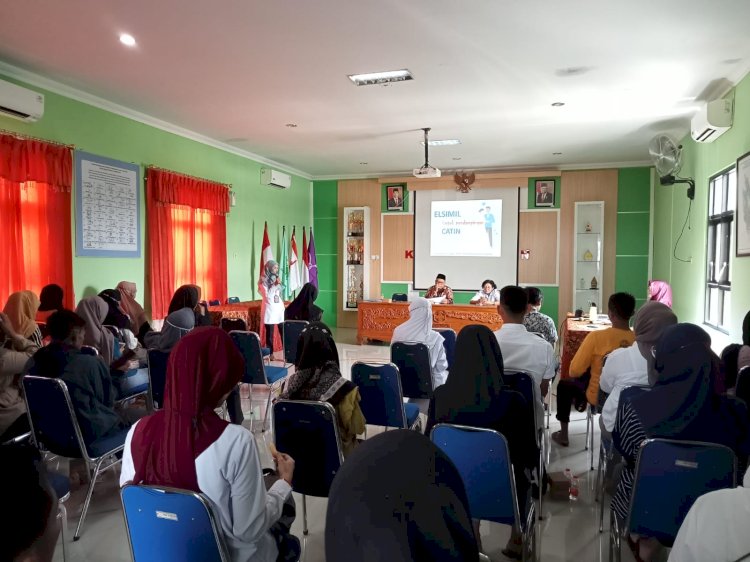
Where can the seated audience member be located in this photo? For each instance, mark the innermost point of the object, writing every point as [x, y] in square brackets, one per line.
[176, 326]
[488, 294]
[660, 291]
[535, 321]
[86, 376]
[633, 365]
[14, 354]
[138, 322]
[115, 315]
[186, 445]
[586, 366]
[31, 527]
[683, 404]
[522, 350]
[418, 328]
[743, 355]
[21, 309]
[729, 360]
[189, 296]
[51, 299]
[440, 289]
[715, 528]
[317, 377]
[398, 497]
[474, 396]
[94, 310]
[303, 307]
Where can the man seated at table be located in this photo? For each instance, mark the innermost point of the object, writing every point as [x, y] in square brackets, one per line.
[586, 367]
[523, 351]
[440, 289]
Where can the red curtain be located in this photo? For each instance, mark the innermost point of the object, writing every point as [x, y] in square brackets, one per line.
[187, 236]
[35, 230]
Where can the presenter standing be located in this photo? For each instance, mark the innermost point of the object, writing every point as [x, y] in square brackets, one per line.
[273, 315]
[440, 289]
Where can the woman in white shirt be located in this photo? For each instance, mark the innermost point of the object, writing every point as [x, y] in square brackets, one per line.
[187, 446]
[273, 314]
[488, 294]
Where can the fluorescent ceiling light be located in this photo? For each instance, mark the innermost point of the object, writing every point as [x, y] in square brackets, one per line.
[381, 77]
[445, 142]
[127, 40]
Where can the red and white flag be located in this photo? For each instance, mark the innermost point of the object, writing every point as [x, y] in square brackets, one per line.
[266, 253]
[294, 277]
[305, 259]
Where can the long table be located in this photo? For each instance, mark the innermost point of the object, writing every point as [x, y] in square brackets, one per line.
[377, 320]
[249, 311]
[572, 336]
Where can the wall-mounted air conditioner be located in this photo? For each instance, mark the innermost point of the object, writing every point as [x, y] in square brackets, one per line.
[712, 120]
[20, 103]
[275, 178]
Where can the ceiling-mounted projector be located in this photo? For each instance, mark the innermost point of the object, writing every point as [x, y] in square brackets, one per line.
[426, 172]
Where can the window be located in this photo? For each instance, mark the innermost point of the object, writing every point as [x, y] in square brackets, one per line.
[722, 200]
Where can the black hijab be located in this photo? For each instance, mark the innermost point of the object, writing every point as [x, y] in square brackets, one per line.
[51, 298]
[315, 347]
[185, 297]
[745, 329]
[303, 307]
[115, 315]
[398, 497]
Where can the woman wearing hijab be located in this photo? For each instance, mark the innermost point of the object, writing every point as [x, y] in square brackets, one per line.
[176, 326]
[303, 307]
[94, 310]
[273, 303]
[21, 309]
[743, 353]
[660, 291]
[14, 354]
[131, 307]
[398, 497]
[189, 296]
[186, 445]
[418, 328]
[51, 299]
[115, 315]
[317, 377]
[683, 404]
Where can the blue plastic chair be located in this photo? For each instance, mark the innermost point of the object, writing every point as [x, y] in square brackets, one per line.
[399, 297]
[171, 524]
[229, 324]
[669, 476]
[482, 458]
[157, 375]
[449, 343]
[214, 302]
[308, 432]
[381, 399]
[256, 371]
[54, 426]
[290, 332]
[233, 300]
[413, 362]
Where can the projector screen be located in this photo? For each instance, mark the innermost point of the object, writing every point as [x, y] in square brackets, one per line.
[457, 235]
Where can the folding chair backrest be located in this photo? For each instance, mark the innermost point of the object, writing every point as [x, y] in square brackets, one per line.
[229, 324]
[249, 345]
[742, 390]
[523, 383]
[483, 460]
[51, 416]
[413, 362]
[157, 374]
[171, 524]
[290, 331]
[89, 350]
[308, 432]
[399, 297]
[449, 343]
[233, 300]
[669, 476]
[380, 392]
[214, 302]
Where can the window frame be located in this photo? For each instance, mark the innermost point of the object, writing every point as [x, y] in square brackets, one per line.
[719, 224]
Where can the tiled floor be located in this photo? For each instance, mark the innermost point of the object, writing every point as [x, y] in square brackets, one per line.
[568, 532]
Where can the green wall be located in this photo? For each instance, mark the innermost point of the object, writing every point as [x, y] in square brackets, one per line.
[701, 161]
[101, 132]
[325, 221]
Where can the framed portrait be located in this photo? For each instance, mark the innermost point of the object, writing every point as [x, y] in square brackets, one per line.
[395, 196]
[742, 244]
[545, 193]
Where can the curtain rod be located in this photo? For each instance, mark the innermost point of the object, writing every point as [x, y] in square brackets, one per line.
[29, 137]
[151, 166]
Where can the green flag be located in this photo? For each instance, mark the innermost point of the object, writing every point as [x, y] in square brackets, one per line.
[284, 266]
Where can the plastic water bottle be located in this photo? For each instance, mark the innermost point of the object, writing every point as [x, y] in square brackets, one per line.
[573, 489]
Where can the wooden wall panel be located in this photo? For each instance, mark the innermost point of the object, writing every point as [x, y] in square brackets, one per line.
[537, 231]
[589, 185]
[398, 238]
[359, 193]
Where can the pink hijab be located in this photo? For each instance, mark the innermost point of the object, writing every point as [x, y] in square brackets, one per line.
[660, 291]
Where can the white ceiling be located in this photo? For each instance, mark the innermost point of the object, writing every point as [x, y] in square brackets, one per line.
[486, 72]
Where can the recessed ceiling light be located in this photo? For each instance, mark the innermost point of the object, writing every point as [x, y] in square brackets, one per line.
[446, 142]
[127, 39]
[556, 153]
[291, 125]
[558, 104]
[459, 158]
[380, 77]
[572, 71]
[363, 163]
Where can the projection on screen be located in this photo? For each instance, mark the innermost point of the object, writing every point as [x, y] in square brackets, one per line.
[466, 228]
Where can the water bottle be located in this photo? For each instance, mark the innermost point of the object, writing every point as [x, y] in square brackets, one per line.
[573, 489]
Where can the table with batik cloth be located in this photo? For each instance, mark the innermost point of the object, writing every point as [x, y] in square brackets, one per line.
[377, 320]
[573, 333]
[249, 311]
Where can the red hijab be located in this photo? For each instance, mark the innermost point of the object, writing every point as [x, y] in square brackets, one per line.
[204, 366]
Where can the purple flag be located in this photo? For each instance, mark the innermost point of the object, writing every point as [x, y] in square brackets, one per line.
[313, 263]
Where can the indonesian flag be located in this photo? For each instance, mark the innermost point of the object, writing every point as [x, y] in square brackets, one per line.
[294, 280]
[266, 253]
[305, 258]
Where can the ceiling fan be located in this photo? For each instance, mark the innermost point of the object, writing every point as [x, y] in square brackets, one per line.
[426, 171]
